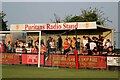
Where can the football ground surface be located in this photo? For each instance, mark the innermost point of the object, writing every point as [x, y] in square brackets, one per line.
[24, 71]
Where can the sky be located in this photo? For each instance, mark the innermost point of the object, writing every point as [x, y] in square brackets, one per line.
[43, 12]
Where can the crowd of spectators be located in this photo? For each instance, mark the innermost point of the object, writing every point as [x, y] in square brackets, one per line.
[85, 46]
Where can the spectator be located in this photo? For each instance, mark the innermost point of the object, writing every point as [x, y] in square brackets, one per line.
[35, 49]
[24, 50]
[100, 48]
[9, 47]
[78, 45]
[17, 43]
[85, 51]
[95, 51]
[108, 43]
[69, 40]
[92, 45]
[105, 50]
[66, 47]
[30, 42]
[14, 49]
[73, 41]
[44, 51]
[110, 51]
[48, 45]
[88, 48]
[3, 47]
[59, 43]
[85, 40]
[81, 48]
[52, 46]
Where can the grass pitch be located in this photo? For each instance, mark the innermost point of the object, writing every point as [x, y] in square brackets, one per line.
[23, 71]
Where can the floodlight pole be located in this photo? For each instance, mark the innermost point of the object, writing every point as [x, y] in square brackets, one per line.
[39, 49]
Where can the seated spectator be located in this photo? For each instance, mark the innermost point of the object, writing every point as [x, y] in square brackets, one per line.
[110, 51]
[105, 50]
[85, 51]
[24, 50]
[35, 49]
[95, 51]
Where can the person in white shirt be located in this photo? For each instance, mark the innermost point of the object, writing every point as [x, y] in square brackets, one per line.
[85, 40]
[108, 43]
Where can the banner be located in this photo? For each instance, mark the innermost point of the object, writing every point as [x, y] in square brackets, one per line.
[54, 26]
[113, 61]
[10, 58]
[32, 59]
[61, 60]
[84, 61]
[92, 62]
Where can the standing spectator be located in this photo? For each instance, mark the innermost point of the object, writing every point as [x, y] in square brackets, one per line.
[3, 47]
[78, 45]
[17, 43]
[30, 42]
[48, 45]
[100, 48]
[81, 48]
[88, 48]
[104, 41]
[73, 41]
[59, 43]
[66, 47]
[44, 51]
[108, 43]
[14, 49]
[85, 40]
[9, 47]
[52, 46]
[92, 45]
[69, 40]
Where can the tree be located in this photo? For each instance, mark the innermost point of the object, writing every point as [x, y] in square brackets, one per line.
[87, 15]
[3, 23]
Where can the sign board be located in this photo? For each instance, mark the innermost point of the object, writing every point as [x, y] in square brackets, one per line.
[32, 59]
[113, 61]
[10, 58]
[54, 26]
[84, 61]
[92, 62]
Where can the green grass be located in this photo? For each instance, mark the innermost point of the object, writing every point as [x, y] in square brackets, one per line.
[23, 71]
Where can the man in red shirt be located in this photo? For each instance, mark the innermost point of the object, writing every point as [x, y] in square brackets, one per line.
[66, 47]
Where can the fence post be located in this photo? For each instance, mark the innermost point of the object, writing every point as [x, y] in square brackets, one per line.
[76, 59]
